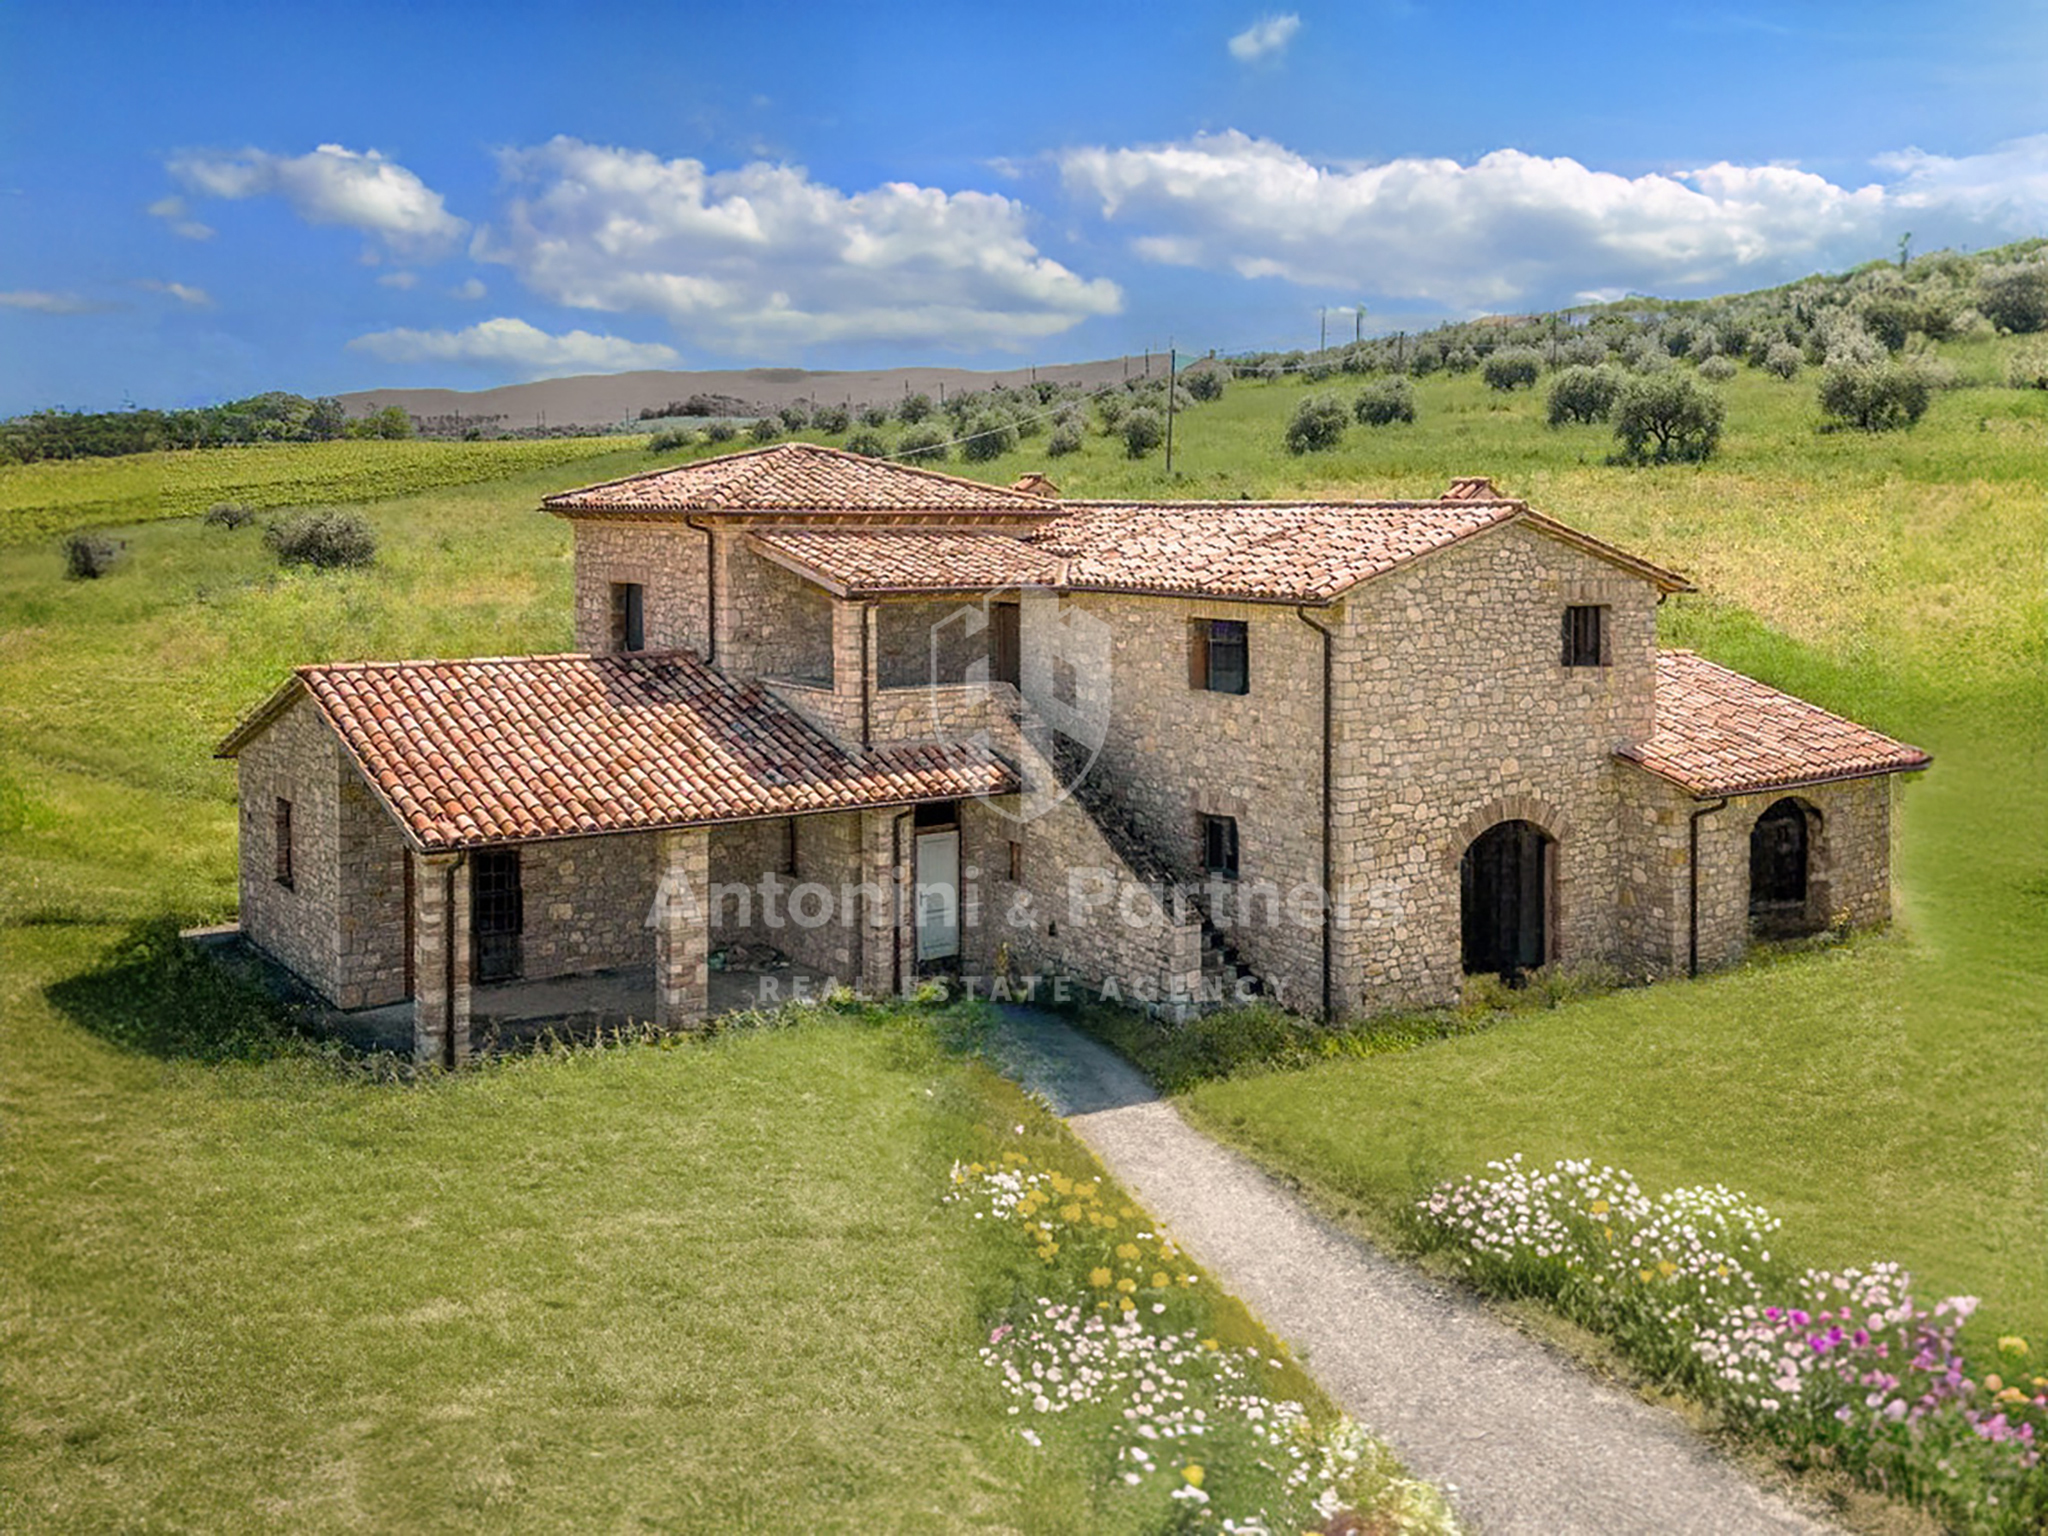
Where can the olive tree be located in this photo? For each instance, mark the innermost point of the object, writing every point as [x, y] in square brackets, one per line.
[1665, 418]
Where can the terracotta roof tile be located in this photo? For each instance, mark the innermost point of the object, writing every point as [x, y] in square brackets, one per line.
[857, 562]
[1720, 733]
[799, 477]
[1305, 553]
[505, 749]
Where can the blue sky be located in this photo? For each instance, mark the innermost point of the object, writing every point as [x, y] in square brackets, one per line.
[201, 201]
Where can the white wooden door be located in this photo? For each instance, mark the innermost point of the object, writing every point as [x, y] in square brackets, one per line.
[938, 894]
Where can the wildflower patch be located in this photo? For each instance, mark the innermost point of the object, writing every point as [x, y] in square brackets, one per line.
[1844, 1368]
[1122, 1346]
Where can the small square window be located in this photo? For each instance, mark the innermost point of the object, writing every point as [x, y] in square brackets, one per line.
[1219, 655]
[1219, 846]
[1585, 637]
[629, 616]
[284, 843]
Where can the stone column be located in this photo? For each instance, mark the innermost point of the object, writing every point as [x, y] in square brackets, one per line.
[682, 928]
[440, 937]
[881, 900]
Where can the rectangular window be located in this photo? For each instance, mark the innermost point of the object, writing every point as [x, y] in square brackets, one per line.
[1219, 655]
[1585, 637]
[629, 616]
[1016, 863]
[1219, 846]
[284, 843]
[789, 845]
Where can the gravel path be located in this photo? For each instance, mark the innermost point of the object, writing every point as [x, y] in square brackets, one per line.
[1524, 1440]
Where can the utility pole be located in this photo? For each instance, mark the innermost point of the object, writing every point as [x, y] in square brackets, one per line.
[1171, 359]
[1358, 324]
[1323, 320]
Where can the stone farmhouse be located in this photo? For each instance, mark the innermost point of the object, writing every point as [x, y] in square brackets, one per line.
[893, 722]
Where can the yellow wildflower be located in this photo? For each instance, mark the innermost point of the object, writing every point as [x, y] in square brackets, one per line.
[1070, 1213]
[976, 1168]
[1101, 1219]
[1125, 1303]
[1127, 1250]
[1129, 1213]
[1647, 1274]
[1210, 1344]
[1127, 1285]
[1061, 1184]
[1666, 1268]
[1193, 1473]
[1089, 1190]
[1159, 1280]
[1099, 1277]
[1599, 1207]
[1015, 1157]
[2013, 1344]
[1049, 1249]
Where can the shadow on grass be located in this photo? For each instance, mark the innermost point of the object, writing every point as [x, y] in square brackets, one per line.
[157, 994]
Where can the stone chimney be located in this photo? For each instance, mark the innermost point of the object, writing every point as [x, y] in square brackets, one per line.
[1032, 483]
[1471, 488]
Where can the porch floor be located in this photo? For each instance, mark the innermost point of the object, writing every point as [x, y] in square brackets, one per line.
[511, 1014]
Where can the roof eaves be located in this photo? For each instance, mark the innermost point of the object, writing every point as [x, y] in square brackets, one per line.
[1718, 790]
[261, 718]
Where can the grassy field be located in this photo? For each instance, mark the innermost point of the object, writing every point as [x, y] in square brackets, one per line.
[249, 1293]
[53, 497]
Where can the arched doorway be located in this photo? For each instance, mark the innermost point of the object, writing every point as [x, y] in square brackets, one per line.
[1504, 889]
[1781, 874]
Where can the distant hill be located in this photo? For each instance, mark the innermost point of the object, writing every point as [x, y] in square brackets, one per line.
[599, 400]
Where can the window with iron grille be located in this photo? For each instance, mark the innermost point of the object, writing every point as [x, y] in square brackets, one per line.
[629, 616]
[284, 843]
[1585, 636]
[1219, 846]
[1219, 655]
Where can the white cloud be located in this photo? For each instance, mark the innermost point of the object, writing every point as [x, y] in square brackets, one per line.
[333, 185]
[1512, 228]
[175, 212]
[43, 301]
[1267, 35]
[398, 279]
[518, 347]
[184, 293]
[763, 257]
[470, 288]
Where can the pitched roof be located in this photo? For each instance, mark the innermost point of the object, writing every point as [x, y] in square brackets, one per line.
[800, 478]
[861, 562]
[467, 753]
[1720, 733]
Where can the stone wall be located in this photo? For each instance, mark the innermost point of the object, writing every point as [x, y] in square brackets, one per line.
[781, 625]
[1455, 712]
[922, 641]
[667, 559]
[372, 937]
[1173, 752]
[295, 759]
[587, 904]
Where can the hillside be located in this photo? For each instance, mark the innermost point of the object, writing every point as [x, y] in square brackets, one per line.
[598, 400]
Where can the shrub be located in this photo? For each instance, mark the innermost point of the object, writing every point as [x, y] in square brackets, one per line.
[1385, 401]
[1783, 359]
[1716, 370]
[1425, 361]
[795, 416]
[672, 440]
[873, 444]
[1205, 383]
[874, 415]
[1065, 439]
[1646, 354]
[1875, 397]
[230, 514]
[831, 418]
[89, 556]
[1111, 408]
[1583, 394]
[1582, 352]
[1144, 429]
[914, 409]
[922, 445]
[1664, 418]
[989, 437]
[2028, 368]
[2015, 298]
[720, 432]
[1512, 368]
[1461, 360]
[766, 430]
[326, 540]
[1317, 424]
